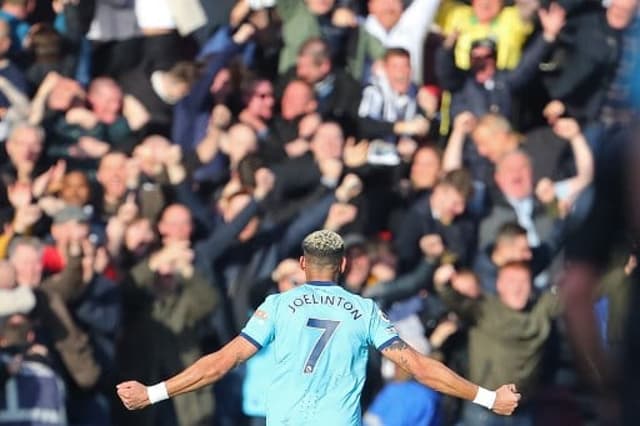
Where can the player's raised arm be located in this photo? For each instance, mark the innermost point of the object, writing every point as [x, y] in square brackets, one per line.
[206, 370]
[437, 376]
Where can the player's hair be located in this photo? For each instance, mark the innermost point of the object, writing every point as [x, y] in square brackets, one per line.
[323, 249]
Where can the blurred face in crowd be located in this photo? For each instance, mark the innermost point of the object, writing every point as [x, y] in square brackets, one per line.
[176, 88]
[112, 175]
[71, 230]
[7, 275]
[320, 7]
[242, 140]
[262, 100]
[288, 275]
[24, 146]
[149, 154]
[514, 286]
[491, 143]
[425, 168]
[621, 12]
[105, 97]
[297, 100]
[483, 63]
[139, 236]
[75, 189]
[398, 71]
[233, 207]
[175, 224]
[512, 249]
[27, 262]
[328, 142]
[486, 10]
[312, 70]
[514, 176]
[387, 12]
[447, 203]
[358, 267]
[20, 9]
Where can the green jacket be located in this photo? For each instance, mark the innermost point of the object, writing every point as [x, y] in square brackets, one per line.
[299, 24]
[505, 346]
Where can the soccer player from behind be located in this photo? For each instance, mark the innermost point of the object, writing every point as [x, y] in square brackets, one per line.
[321, 334]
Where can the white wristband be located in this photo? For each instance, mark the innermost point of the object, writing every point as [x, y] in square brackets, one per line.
[485, 397]
[157, 393]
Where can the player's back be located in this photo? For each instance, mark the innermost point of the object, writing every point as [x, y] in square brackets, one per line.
[321, 334]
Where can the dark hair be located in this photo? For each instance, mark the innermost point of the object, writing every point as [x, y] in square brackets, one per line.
[460, 180]
[510, 230]
[517, 264]
[317, 48]
[323, 249]
[396, 51]
[247, 168]
[46, 44]
[186, 71]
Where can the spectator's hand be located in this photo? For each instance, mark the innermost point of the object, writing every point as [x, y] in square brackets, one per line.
[244, 33]
[552, 21]
[51, 205]
[52, 177]
[137, 235]
[331, 169]
[129, 210]
[340, 214]
[350, 188]
[220, 117]
[443, 275]
[309, 125]
[82, 117]
[442, 332]
[545, 191]
[553, 111]
[344, 17]
[432, 246]
[418, 126]
[507, 398]
[26, 217]
[172, 160]
[406, 147]
[92, 147]
[451, 40]
[464, 123]
[101, 260]
[428, 102]
[133, 395]
[265, 180]
[355, 154]
[19, 194]
[631, 265]
[133, 173]
[566, 128]
[296, 148]
[135, 113]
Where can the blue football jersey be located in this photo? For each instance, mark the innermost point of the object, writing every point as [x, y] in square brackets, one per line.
[320, 335]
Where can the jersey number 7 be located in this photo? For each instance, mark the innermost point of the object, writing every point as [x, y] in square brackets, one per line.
[329, 328]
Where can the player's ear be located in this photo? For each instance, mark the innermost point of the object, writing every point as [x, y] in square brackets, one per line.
[343, 265]
[302, 263]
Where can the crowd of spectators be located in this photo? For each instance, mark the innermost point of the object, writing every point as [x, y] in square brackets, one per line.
[161, 162]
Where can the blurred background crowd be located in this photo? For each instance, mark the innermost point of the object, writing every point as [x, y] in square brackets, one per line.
[162, 160]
